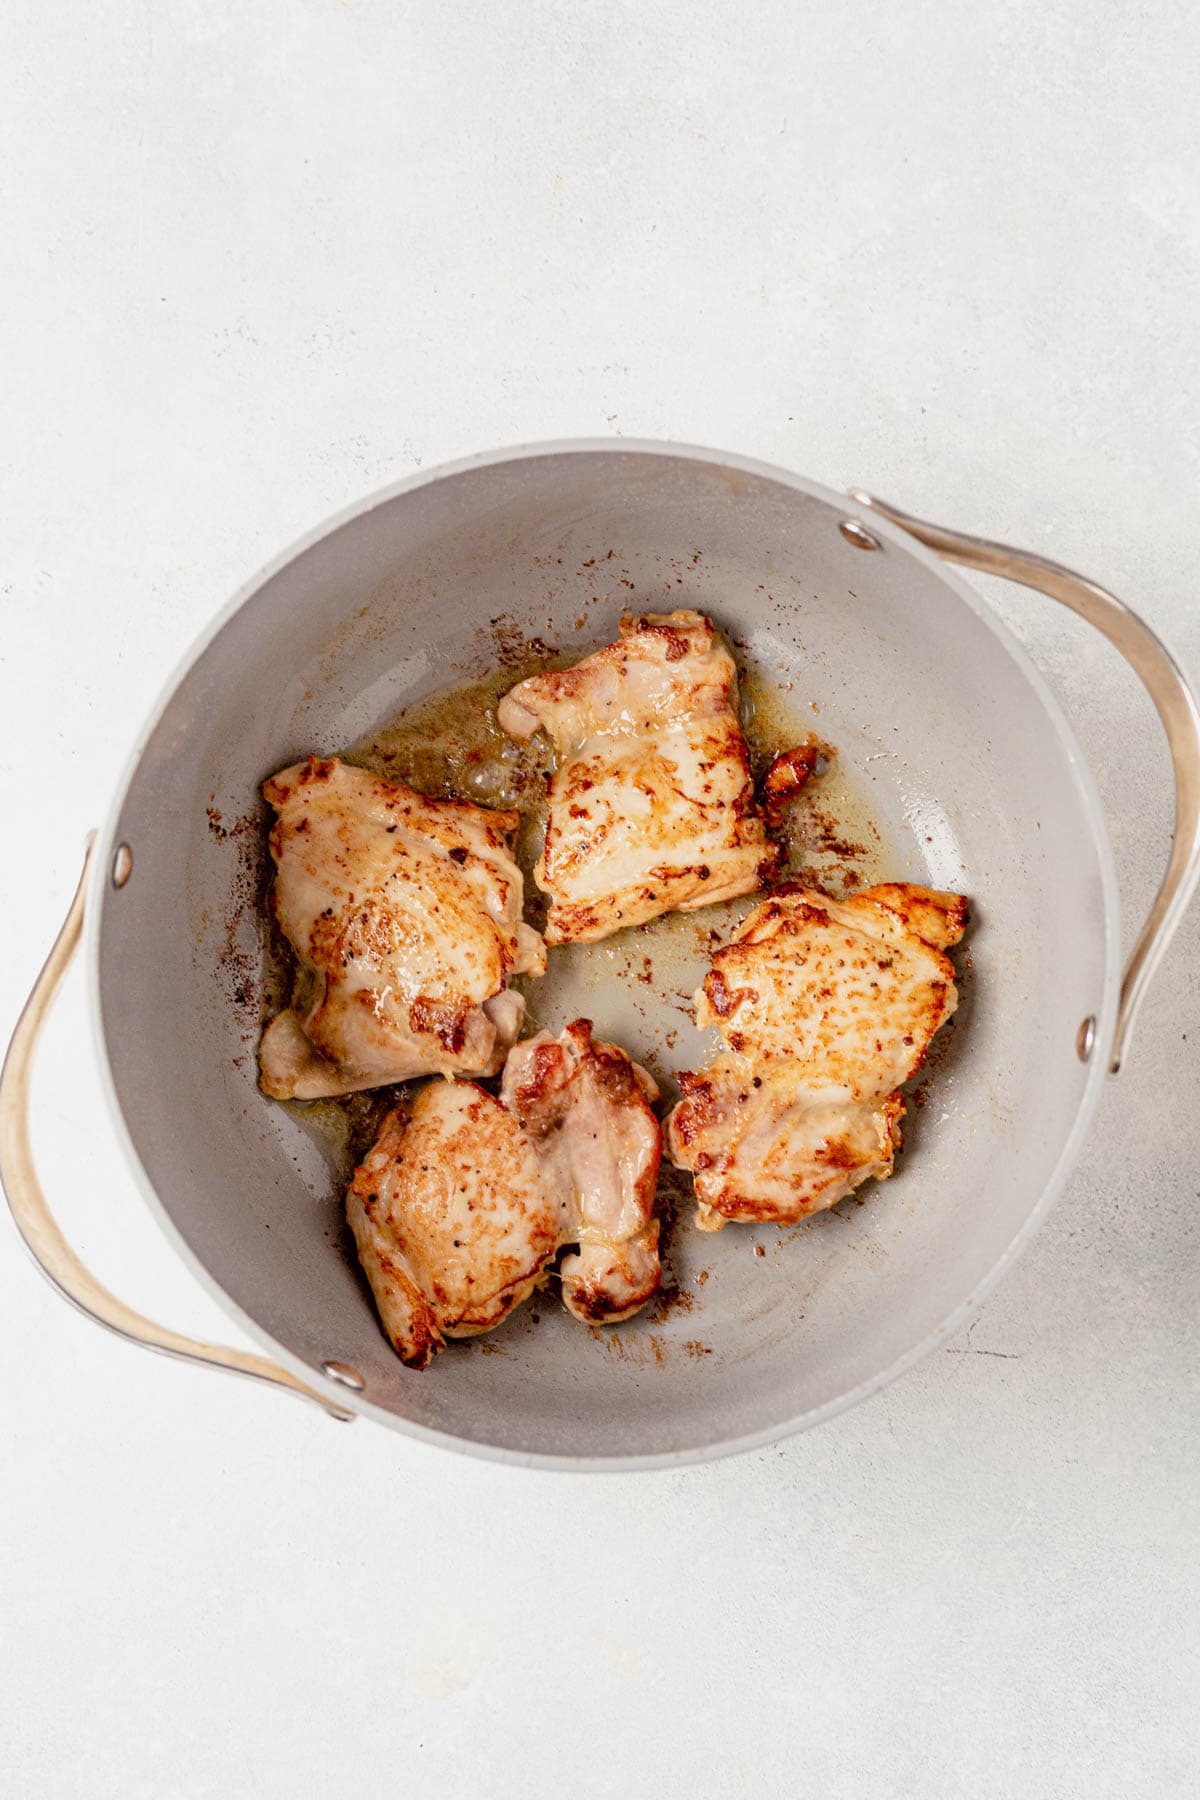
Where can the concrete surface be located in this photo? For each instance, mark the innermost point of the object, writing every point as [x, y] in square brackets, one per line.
[260, 259]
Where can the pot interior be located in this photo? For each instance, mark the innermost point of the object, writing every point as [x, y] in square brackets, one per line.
[970, 777]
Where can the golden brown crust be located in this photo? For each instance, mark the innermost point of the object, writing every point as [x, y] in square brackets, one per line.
[450, 1218]
[846, 990]
[405, 915]
[652, 807]
[827, 1007]
[463, 1202]
[939, 918]
[788, 775]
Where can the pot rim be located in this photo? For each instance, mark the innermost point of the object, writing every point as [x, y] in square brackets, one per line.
[1106, 1016]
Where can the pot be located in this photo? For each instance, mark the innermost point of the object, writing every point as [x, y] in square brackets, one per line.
[963, 758]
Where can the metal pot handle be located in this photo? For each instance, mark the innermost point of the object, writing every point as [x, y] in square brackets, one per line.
[34, 1220]
[1166, 685]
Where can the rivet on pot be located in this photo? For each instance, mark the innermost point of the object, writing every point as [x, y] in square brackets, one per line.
[858, 535]
[122, 866]
[1085, 1038]
[340, 1371]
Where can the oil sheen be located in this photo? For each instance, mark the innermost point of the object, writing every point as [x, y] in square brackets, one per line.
[636, 986]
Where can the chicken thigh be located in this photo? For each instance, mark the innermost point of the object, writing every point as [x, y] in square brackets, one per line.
[585, 1108]
[827, 1007]
[460, 1207]
[652, 805]
[451, 1217]
[405, 915]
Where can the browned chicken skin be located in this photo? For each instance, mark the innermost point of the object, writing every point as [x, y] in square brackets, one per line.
[405, 915]
[450, 1217]
[459, 1208]
[652, 806]
[827, 1007]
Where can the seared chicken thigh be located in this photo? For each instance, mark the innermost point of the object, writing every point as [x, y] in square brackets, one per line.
[652, 806]
[451, 1218]
[459, 1208]
[827, 1007]
[405, 915]
[585, 1108]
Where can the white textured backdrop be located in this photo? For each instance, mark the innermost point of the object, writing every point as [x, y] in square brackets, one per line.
[261, 258]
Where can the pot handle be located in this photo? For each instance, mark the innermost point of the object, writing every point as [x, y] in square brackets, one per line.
[34, 1220]
[1166, 685]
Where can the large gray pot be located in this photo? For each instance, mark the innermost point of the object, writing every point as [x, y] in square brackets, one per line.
[969, 764]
